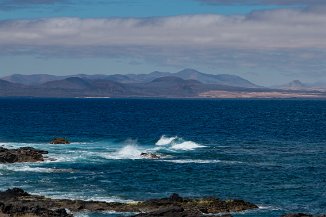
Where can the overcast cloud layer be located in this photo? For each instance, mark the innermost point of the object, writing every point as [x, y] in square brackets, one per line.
[281, 29]
[286, 41]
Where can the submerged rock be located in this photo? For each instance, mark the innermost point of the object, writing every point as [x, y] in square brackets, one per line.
[25, 154]
[172, 206]
[59, 141]
[150, 155]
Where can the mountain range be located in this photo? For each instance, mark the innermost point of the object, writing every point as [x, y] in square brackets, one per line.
[187, 83]
[187, 74]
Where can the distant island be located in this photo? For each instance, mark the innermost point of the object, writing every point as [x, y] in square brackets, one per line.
[187, 83]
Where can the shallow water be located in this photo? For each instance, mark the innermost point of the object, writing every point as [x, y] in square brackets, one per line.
[269, 152]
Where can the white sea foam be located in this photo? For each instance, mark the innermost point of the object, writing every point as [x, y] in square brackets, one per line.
[189, 161]
[176, 143]
[72, 196]
[164, 140]
[87, 213]
[186, 146]
[270, 208]
[126, 152]
[25, 168]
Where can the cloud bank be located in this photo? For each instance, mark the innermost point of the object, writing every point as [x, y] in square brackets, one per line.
[281, 29]
[282, 40]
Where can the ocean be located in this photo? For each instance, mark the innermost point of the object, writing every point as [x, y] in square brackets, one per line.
[269, 152]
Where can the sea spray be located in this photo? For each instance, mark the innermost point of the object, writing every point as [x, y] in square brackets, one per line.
[177, 143]
[164, 140]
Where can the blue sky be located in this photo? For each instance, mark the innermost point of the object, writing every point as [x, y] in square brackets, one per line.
[123, 8]
[268, 41]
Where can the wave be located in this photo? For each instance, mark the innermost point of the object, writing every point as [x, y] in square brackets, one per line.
[269, 208]
[130, 151]
[72, 196]
[186, 146]
[189, 161]
[109, 213]
[25, 168]
[177, 143]
[164, 140]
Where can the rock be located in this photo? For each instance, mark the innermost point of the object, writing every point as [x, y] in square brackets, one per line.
[150, 155]
[12, 210]
[204, 205]
[59, 141]
[25, 154]
[174, 211]
[17, 200]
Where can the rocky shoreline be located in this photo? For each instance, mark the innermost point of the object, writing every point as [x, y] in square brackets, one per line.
[20, 155]
[17, 202]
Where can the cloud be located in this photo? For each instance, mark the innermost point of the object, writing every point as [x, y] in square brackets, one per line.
[280, 29]
[283, 40]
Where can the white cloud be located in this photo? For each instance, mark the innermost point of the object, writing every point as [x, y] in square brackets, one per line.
[289, 42]
[279, 29]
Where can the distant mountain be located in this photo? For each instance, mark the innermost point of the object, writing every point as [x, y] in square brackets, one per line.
[162, 87]
[6, 84]
[222, 79]
[293, 85]
[32, 79]
[298, 85]
[73, 83]
[186, 74]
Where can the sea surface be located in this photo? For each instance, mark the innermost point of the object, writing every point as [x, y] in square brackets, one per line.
[269, 152]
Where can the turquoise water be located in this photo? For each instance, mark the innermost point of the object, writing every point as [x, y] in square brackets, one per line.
[269, 152]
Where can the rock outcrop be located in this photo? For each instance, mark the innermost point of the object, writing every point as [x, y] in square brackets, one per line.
[8, 208]
[150, 155]
[17, 200]
[25, 154]
[59, 141]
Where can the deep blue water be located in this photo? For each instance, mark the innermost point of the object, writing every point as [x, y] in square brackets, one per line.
[269, 152]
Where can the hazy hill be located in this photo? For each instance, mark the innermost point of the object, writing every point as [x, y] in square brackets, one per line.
[293, 85]
[68, 83]
[32, 79]
[186, 74]
[222, 79]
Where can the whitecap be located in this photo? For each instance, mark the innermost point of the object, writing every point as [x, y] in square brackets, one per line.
[177, 143]
[189, 161]
[25, 168]
[72, 196]
[164, 140]
[126, 152]
[186, 146]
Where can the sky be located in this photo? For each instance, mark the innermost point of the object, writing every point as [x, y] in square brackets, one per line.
[268, 42]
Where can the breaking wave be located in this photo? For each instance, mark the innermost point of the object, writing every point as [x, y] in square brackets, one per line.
[176, 143]
[189, 161]
[164, 140]
[25, 168]
[126, 152]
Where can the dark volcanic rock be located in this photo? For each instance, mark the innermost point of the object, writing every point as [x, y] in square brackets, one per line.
[25, 154]
[174, 211]
[150, 155]
[59, 141]
[17, 200]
